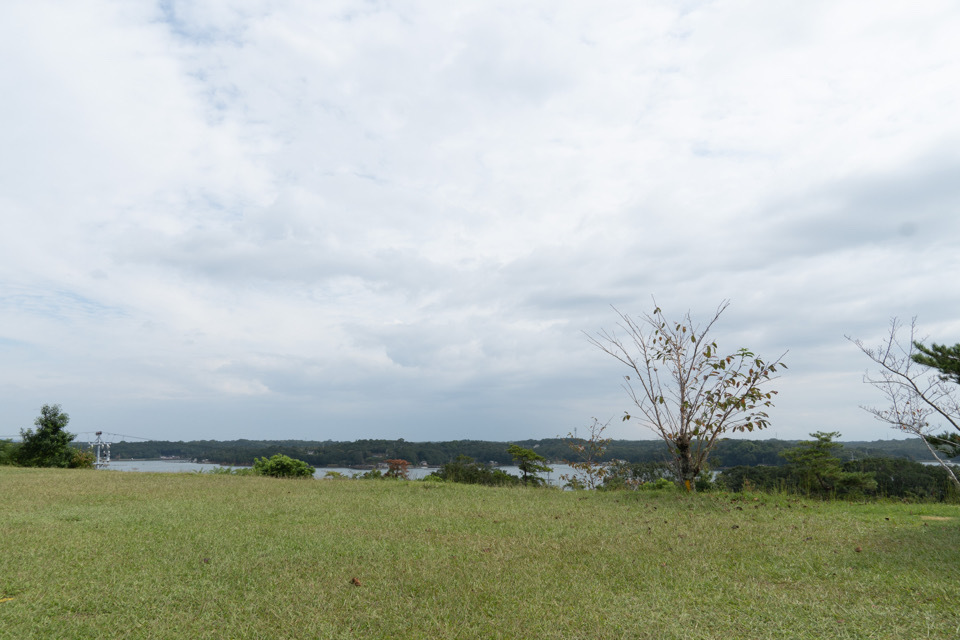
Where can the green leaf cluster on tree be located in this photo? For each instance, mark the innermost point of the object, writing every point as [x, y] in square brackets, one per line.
[530, 463]
[946, 360]
[817, 471]
[49, 444]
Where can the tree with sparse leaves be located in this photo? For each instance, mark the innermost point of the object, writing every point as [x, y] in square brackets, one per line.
[591, 470]
[921, 402]
[684, 390]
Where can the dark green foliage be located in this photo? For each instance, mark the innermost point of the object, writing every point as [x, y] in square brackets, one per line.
[281, 466]
[624, 475]
[763, 478]
[947, 443]
[944, 359]
[894, 477]
[466, 471]
[530, 463]
[49, 444]
[728, 453]
[8, 452]
[898, 478]
[817, 471]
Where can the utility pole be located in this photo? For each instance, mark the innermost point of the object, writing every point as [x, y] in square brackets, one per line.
[102, 452]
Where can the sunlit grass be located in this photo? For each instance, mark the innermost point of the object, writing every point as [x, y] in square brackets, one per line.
[109, 554]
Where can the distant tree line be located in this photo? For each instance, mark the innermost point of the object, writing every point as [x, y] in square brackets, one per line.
[815, 468]
[728, 453]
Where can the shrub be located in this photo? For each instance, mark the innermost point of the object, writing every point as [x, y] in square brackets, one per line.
[227, 471]
[624, 475]
[281, 466]
[80, 459]
[8, 452]
[466, 471]
[660, 484]
[901, 478]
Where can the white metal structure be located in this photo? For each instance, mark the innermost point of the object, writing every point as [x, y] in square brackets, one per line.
[102, 450]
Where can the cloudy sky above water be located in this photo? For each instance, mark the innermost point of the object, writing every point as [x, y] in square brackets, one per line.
[341, 220]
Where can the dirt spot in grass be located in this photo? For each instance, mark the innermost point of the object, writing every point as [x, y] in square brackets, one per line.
[937, 518]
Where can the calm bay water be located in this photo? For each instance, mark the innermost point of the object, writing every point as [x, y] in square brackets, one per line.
[178, 466]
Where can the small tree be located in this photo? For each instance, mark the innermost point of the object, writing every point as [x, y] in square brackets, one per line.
[816, 470]
[281, 466]
[921, 403]
[684, 390]
[530, 463]
[397, 469]
[590, 470]
[49, 445]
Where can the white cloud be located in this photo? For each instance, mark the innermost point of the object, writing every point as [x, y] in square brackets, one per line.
[247, 219]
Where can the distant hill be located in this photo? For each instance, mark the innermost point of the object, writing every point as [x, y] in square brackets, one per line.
[728, 453]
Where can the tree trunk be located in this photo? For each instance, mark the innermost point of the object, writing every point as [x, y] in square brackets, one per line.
[685, 465]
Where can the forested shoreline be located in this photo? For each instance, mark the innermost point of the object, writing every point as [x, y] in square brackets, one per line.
[728, 453]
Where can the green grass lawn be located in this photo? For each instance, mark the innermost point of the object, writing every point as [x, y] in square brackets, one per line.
[90, 554]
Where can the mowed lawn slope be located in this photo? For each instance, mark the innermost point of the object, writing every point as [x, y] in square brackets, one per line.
[90, 554]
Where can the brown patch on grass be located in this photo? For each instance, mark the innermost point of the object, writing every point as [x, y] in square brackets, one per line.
[939, 518]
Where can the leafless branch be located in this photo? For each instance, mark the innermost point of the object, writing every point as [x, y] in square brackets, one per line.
[915, 395]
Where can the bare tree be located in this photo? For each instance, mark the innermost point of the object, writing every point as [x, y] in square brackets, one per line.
[921, 402]
[684, 391]
[591, 470]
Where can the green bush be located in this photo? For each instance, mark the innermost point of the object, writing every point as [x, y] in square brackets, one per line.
[466, 471]
[901, 478]
[626, 475]
[660, 484]
[227, 471]
[281, 466]
[8, 452]
[81, 459]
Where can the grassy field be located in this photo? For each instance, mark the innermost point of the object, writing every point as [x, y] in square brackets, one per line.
[136, 555]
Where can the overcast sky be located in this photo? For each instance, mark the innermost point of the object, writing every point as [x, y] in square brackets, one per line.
[342, 220]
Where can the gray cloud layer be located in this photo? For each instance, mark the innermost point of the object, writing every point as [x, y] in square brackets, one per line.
[340, 220]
